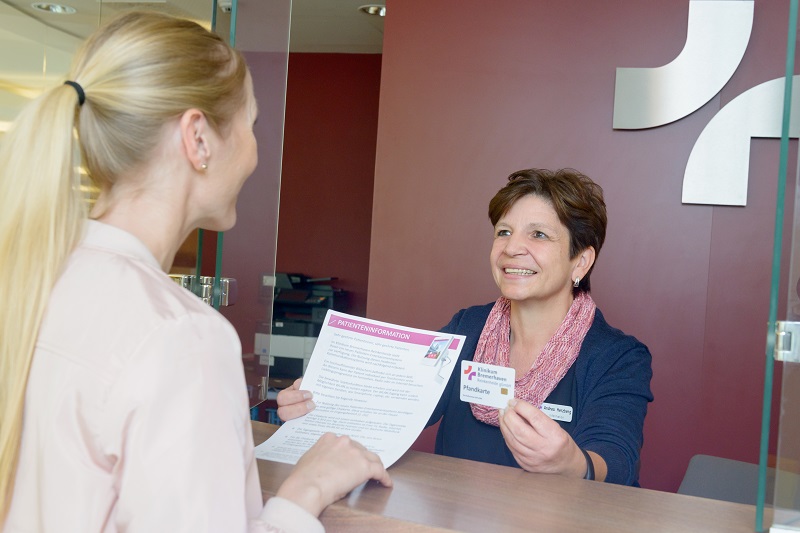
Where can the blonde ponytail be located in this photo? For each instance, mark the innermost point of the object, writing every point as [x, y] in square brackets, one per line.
[41, 215]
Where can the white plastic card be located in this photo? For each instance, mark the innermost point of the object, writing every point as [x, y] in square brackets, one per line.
[489, 385]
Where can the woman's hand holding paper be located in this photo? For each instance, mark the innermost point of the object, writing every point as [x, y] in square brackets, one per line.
[330, 469]
[293, 402]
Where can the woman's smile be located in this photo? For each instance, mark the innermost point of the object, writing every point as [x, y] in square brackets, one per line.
[519, 271]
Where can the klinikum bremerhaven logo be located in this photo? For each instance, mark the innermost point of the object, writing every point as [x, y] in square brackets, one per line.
[717, 36]
[487, 377]
[470, 372]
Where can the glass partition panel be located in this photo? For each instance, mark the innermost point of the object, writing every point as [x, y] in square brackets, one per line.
[36, 49]
[787, 465]
[235, 271]
[784, 476]
[37, 44]
[34, 55]
[786, 471]
[260, 30]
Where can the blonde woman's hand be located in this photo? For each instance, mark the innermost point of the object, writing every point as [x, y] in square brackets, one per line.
[330, 469]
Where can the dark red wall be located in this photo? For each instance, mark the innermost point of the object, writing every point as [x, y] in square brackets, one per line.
[473, 90]
[328, 169]
[327, 154]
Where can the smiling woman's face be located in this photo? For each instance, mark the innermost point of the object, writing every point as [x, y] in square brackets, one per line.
[530, 254]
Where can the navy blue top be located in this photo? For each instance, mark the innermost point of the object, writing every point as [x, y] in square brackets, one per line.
[608, 388]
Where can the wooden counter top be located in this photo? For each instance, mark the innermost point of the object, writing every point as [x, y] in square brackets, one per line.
[436, 493]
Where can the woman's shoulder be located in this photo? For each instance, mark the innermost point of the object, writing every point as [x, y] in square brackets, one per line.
[600, 326]
[610, 356]
[602, 337]
[123, 300]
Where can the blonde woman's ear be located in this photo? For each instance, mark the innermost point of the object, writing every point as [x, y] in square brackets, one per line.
[194, 136]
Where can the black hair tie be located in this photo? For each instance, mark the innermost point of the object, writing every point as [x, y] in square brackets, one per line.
[78, 89]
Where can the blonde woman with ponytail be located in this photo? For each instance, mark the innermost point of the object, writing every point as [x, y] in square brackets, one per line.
[122, 396]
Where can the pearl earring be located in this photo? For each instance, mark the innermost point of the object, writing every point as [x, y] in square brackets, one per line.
[203, 166]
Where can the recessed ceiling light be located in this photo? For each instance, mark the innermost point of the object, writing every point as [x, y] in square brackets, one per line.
[373, 9]
[55, 9]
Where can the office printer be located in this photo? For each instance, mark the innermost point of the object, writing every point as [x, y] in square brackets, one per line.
[299, 306]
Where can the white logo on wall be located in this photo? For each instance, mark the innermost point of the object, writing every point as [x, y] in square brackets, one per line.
[717, 36]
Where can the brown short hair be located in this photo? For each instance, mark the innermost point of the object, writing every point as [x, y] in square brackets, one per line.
[576, 199]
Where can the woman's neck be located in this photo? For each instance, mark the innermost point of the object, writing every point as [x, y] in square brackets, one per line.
[156, 217]
[534, 323]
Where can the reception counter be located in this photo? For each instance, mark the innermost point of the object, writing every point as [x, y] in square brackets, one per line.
[435, 493]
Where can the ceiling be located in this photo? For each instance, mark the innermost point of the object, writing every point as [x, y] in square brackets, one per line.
[335, 26]
[36, 48]
[316, 25]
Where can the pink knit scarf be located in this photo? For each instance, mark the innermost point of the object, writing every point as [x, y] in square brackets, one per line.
[557, 356]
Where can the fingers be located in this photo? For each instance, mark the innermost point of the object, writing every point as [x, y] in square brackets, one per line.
[296, 410]
[518, 428]
[294, 403]
[522, 412]
[358, 457]
[374, 465]
[330, 469]
[291, 396]
[520, 438]
[381, 475]
[537, 442]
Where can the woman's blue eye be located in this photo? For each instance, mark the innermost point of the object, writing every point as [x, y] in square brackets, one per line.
[539, 235]
[503, 233]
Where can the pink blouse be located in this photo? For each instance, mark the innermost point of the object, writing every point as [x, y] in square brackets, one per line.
[136, 414]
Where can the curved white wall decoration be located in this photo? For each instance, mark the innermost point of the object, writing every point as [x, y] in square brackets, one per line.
[717, 170]
[717, 36]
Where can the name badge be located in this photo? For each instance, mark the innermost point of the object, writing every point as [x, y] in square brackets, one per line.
[560, 413]
[489, 385]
